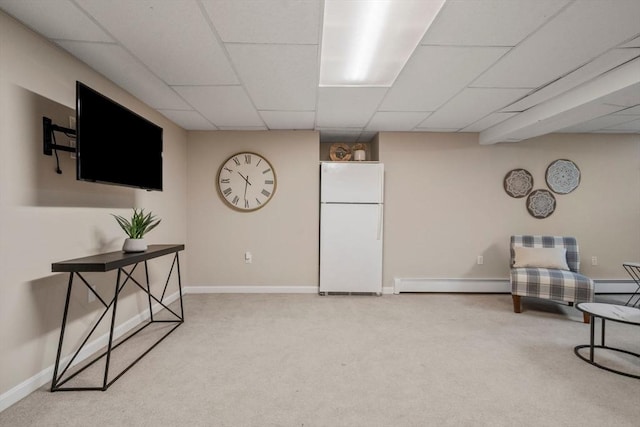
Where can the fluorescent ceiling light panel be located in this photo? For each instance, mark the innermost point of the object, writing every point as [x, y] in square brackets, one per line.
[368, 42]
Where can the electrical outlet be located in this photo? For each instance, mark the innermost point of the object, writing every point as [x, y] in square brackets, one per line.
[594, 260]
[72, 141]
[480, 260]
[248, 258]
[92, 296]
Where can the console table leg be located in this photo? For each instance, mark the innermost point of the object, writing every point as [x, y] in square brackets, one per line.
[113, 322]
[54, 381]
[146, 273]
[180, 287]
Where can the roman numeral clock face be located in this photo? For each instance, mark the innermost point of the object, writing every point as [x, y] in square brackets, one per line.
[246, 181]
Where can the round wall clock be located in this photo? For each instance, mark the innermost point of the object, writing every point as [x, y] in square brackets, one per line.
[246, 181]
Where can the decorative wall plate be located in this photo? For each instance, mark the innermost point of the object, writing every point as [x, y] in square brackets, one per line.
[339, 152]
[541, 203]
[518, 183]
[563, 176]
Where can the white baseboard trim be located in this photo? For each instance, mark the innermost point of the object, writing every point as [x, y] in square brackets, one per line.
[250, 289]
[44, 377]
[387, 290]
[493, 285]
[211, 289]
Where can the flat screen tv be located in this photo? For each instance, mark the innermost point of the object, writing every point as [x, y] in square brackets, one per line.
[114, 144]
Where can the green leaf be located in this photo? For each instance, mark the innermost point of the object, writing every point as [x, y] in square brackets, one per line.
[139, 225]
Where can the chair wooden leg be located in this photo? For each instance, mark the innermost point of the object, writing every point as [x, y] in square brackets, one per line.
[517, 306]
[586, 318]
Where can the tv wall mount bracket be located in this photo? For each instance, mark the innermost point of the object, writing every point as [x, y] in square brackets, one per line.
[48, 137]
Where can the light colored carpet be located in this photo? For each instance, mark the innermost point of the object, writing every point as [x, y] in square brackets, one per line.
[402, 360]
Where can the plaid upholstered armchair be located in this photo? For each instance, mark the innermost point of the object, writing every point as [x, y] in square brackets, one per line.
[547, 267]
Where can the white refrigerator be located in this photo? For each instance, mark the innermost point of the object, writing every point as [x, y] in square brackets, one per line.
[351, 219]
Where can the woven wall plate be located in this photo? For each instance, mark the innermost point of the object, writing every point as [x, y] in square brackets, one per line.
[339, 152]
[563, 176]
[541, 203]
[518, 183]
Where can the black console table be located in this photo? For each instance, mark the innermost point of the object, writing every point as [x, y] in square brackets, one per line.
[103, 263]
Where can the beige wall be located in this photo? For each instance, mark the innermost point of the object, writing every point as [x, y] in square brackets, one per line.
[46, 217]
[445, 202]
[282, 236]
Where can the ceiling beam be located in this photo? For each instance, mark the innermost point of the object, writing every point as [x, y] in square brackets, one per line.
[575, 106]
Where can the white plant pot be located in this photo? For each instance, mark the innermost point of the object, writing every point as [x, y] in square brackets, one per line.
[134, 245]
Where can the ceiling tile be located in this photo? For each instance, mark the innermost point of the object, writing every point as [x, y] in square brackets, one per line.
[487, 122]
[55, 19]
[266, 21]
[628, 97]
[396, 120]
[434, 74]
[632, 126]
[554, 50]
[564, 51]
[366, 136]
[437, 129]
[339, 135]
[583, 74]
[278, 77]
[177, 43]
[222, 105]
[251, 128]
[598, 123]
[127, 72]
[189, 120]
[632, 111]
[562, 120]
[471, 105]
[347, 106]
[289, 119]
[463, 22]
[633, 43]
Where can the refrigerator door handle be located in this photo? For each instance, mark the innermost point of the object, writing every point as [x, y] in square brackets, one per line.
[381, 173]
[379, 236]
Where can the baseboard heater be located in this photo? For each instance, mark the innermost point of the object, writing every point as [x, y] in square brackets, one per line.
[498, 286]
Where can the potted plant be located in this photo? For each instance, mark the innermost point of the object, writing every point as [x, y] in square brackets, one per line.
[139, 225]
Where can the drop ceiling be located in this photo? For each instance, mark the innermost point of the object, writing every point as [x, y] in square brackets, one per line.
[508, 69]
